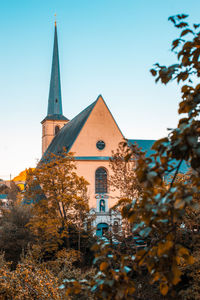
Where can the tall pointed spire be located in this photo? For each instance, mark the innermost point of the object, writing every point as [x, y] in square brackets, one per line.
[55, 99]
[54, 120]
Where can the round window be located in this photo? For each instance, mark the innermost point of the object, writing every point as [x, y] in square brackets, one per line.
[100, 145]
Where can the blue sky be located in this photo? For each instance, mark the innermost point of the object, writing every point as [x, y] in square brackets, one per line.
[106, 47]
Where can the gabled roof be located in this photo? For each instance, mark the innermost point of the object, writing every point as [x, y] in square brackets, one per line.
[68, 134]
[55, 118]
[144, 144]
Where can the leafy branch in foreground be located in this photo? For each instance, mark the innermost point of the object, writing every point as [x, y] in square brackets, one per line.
[164, 199]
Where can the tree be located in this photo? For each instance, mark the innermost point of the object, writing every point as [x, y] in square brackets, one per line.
[15, 235]
[28, 281]
[161, 207]
[60, 201]
[123, 179]
[11, 191]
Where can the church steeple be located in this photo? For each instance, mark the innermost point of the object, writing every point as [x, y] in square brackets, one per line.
[54, 120]
[55, 99]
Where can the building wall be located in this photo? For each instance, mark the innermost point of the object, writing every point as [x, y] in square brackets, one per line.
[99, 126]
[87, 169]
[48, 131]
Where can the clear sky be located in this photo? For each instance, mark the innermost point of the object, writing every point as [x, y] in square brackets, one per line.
[106, 47]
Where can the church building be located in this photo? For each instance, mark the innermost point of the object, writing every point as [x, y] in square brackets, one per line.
[91, 136]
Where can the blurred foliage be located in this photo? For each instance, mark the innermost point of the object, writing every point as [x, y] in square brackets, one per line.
[36, 279]
[11, 191]
[14, 233]
[27, 281]
[123, 177]
[159, 211]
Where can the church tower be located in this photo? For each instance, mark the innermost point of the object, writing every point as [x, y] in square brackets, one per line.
[54, 120]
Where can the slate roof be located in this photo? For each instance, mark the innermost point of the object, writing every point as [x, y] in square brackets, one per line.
[54, 111]
[68, 133]
[55, 117]
[146, 145]
[55, 107]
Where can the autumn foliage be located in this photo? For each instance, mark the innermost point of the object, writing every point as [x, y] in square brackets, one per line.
[160, 205]
[159, 211]
[60, 202]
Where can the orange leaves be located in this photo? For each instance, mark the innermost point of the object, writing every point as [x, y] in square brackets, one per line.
[28, 281]
[104, 266]
[176, 274]
[164, 288]
[183, 255]
[164, 247]
[60, 200]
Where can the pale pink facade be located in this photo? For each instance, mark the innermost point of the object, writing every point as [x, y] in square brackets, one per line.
[99, 126]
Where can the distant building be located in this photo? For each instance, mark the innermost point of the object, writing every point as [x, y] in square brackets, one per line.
[4, 202]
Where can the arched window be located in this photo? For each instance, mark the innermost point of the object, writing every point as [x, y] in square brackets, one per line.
[57, 128]
[102, 205]
[100, 181]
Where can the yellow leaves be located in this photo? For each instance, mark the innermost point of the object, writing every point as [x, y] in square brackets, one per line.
[65, 200]
[190, 260]
[103, 266]
[184, 255]
[176, 274]
[179, 204]
[28, 281]
[178, 260]
[156, 276]
[131, 290]
[164, 247]
[182, 251]
[164, 288]
[23, 175]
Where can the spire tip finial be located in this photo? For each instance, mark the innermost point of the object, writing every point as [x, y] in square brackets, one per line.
[55, 19]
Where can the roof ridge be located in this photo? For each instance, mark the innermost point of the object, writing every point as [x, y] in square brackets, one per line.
[66, 137]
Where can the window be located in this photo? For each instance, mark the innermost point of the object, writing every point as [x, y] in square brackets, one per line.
[100, 145]
[57, 128]
[115, 227]
[102, 205]
[101, 181]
